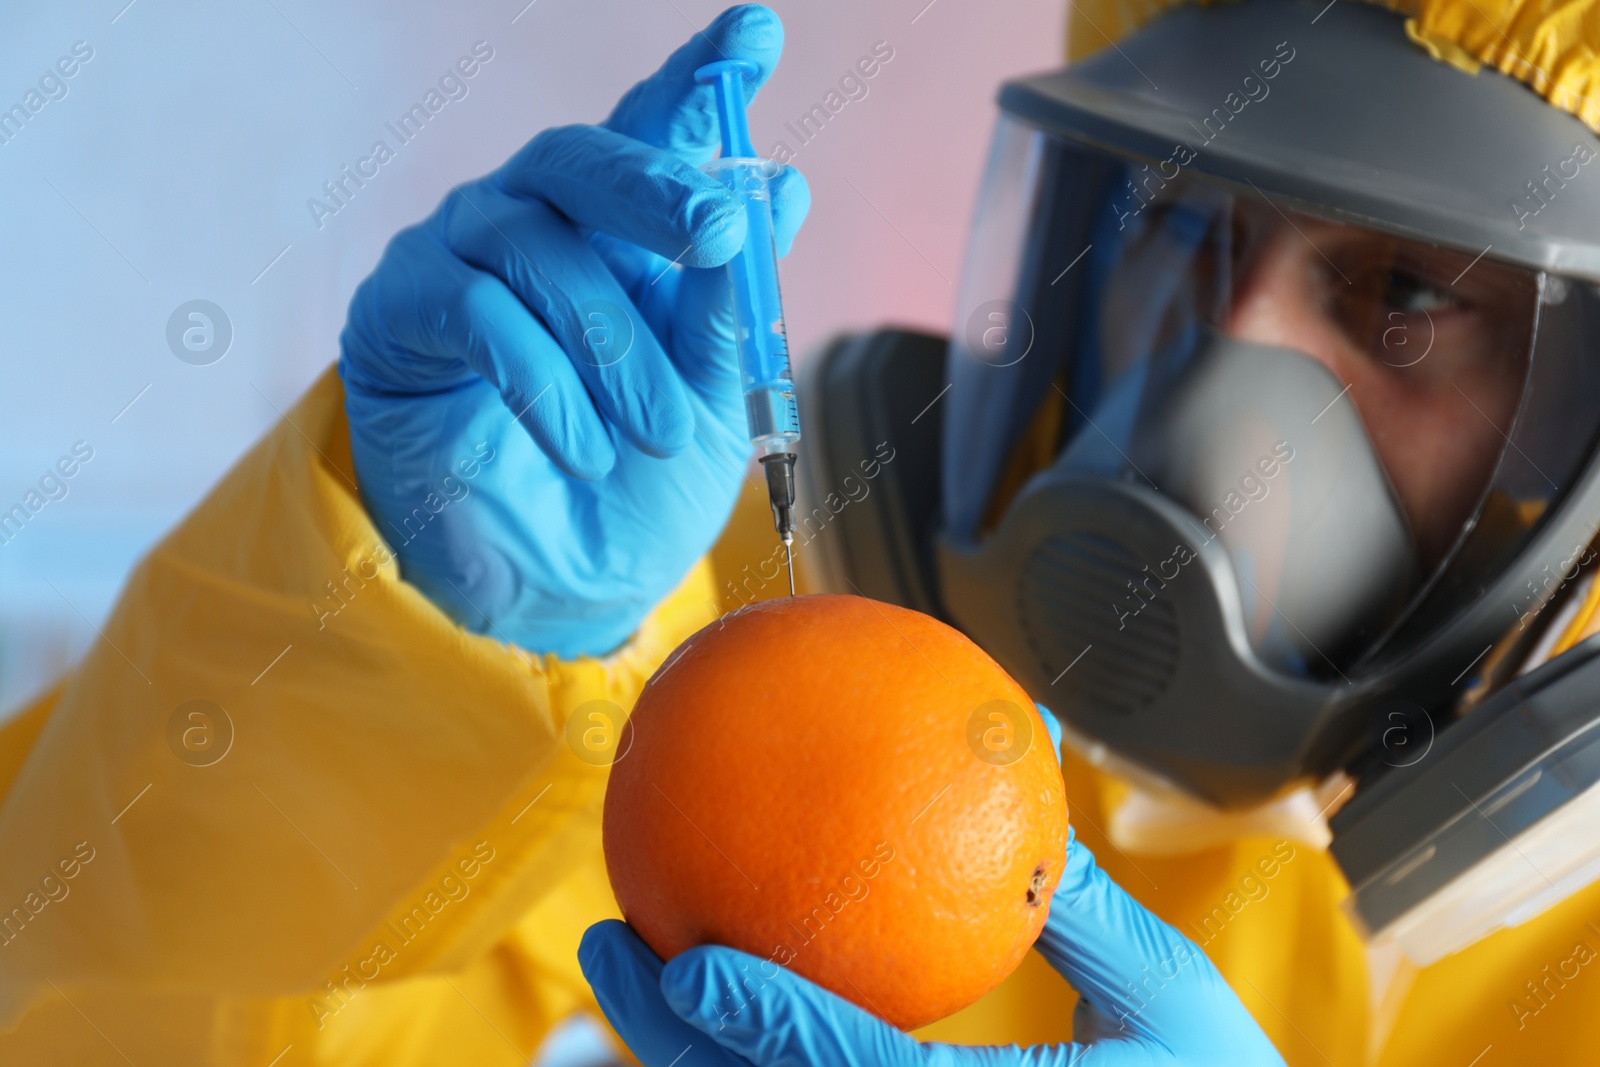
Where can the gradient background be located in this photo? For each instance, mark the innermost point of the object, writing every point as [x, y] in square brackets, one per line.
[179, 165]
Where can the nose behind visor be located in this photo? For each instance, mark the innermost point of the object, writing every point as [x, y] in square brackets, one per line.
[1262, 446]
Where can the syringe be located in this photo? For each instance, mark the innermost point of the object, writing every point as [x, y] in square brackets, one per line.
[762, 337]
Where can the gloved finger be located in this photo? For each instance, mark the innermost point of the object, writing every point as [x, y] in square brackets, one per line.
[773, 1017]
[555, 272]
[668, 110]
[639, 270]
[1137, 972]
[694, 307]
[626, 978]
[623, 187]
[442, 308]
[1116, 1052]
[703, 339]
[703, 325]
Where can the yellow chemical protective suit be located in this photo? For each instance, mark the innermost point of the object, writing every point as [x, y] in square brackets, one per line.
[383, 851]
[396, 854]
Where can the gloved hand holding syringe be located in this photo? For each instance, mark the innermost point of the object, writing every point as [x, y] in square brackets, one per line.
[761, 336]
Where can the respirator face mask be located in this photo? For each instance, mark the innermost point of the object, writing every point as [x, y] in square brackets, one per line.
[1266, 444]
[1273, 439]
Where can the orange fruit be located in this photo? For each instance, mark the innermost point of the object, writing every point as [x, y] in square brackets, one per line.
[847, 788]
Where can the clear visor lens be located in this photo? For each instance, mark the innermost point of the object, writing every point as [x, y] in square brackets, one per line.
[1362, 419]
[1430, 344]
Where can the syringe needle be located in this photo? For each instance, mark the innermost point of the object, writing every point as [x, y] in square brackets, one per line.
[780, 492]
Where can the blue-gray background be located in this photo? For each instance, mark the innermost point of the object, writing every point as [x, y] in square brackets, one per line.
[179, 162]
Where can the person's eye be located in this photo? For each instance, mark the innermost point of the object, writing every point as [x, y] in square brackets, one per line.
[1413, 295]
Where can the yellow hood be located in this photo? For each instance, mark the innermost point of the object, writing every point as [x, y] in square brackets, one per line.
[1549, 46]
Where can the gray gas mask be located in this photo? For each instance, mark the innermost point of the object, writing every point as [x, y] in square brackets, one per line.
[1190, 594]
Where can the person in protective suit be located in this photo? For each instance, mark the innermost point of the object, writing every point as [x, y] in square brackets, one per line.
[1263, 454]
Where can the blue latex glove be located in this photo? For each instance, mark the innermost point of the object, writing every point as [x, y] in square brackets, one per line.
[578, 291]
[1147, 995]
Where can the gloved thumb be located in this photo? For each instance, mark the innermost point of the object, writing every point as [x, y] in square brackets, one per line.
[1116, 953]
[1136, 976]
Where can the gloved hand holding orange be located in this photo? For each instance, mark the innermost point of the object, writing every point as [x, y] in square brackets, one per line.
[890, 824]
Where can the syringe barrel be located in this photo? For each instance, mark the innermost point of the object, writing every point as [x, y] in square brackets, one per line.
[762, 341]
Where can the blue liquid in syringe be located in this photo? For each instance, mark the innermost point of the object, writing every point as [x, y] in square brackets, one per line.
[762, 340]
